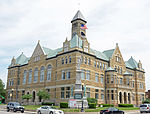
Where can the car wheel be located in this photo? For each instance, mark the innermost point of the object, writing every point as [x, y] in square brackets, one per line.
[51, 113]
[7, 109]
[22, 111]
[14, 110]
[39, 112]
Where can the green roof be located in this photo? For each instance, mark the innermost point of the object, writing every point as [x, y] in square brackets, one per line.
[109, 53]
[76, 42]
[99, 54]
[133, 63]
[22, 59]
[51, 53]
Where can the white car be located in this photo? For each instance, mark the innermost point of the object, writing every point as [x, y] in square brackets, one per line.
[48, 110]
[145, 108]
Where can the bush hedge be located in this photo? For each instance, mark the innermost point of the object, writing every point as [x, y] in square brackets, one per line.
[125, 105]
[48, 103]
[63, 105]
[92, 105]
[92, 100]
[106, 105]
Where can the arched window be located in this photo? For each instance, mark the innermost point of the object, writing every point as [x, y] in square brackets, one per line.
[62, 60]
[35, 75]
[49, 71]
[30, 76]
[24, 77]
[66, 59]
[42, 74]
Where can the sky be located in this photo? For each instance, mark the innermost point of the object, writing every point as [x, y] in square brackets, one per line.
[24, 22]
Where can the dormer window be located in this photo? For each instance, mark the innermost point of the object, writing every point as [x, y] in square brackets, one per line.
[118, 59]
[65, 47]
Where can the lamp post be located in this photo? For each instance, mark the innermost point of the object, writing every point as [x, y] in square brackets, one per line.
[82, 108]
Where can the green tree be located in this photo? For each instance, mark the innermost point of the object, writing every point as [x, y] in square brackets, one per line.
[43, 94]
[27, 96]
[92, 100]
[146, 101]
[2, 90]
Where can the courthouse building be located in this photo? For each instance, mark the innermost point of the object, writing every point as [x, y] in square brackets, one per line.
[106, 75]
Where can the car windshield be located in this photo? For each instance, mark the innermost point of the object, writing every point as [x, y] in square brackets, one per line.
[143, 106]
[17, 104]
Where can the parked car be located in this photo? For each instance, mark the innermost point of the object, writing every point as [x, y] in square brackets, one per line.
[15, 106]
[144, 108]
[49, 110]
[111, 110]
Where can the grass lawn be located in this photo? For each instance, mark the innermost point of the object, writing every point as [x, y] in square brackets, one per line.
[34, 107]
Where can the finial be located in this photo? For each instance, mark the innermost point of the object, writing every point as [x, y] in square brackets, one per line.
[22, 52]
[139, 61]
[66, 38]
[116, 44]
[38, 41]
[78, 5]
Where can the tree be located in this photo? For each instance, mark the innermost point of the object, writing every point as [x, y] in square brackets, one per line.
[27, 96]
[43, 94]
[146, 101]
[2, 90]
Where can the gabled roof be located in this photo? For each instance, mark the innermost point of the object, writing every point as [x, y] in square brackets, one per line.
[78, 15]
[133, 63]
[22, 59]
[128, 65]
[76, 42]
[99, 54]
[109, 53]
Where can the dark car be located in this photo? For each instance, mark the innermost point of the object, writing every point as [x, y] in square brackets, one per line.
[15, 106]
[111, 110]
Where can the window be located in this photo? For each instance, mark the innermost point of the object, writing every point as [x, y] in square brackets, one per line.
[30, 76]
[112, 79]
[107, 94]
[49, 72]
[128, 83]
[67, 92]
[97, 65]
[103, 66]
[89, 61]
[133, 84]
[23, 92]
[100, 65]
[102, 94]
[96, 96]
[56, 76]
[69, 59]
[88, 92]
[9, 82]
[66, 59]
[108, 80]
[94, 63]
[35, 75]
[12, 82]
[63, 75]
[120, 80]
[85, 60]
[18, 82]
[117, 80]
[42, 74]
[37, 58]
[62, 61]
[120, 70]
[83, 74]
[62, 92]
[102, 79]
[96, 77]
[68, 74]
[24, 76]
[112, 94]
[88, 75]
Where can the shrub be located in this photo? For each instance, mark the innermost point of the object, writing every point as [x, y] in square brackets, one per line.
[63, 105]
[146, 101]
[48, 103]
[92, 100]
[125, 105]
[92, 105]
[106, 105]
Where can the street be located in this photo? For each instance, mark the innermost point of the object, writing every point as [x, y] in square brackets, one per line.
[11, 112]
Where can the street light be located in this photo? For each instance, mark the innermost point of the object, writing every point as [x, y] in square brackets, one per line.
[82, 108]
